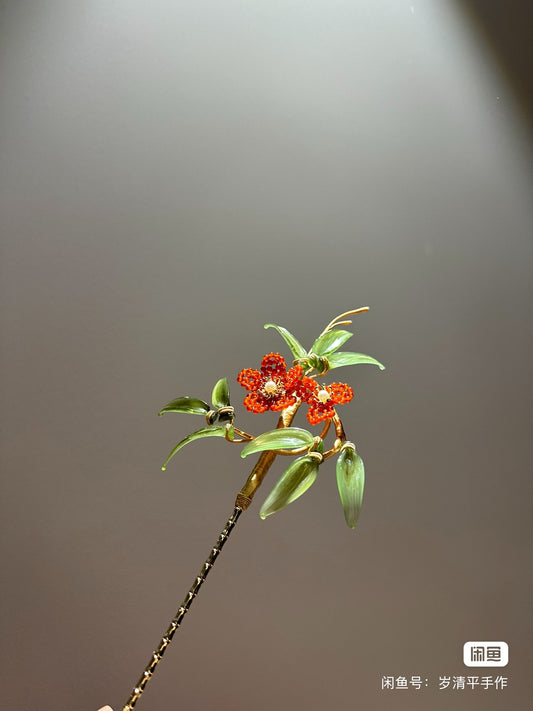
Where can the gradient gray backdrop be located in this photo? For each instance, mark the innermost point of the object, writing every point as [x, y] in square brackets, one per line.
[173, 176]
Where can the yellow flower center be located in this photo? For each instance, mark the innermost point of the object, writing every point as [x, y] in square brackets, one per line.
[270, 387]
[323, 395]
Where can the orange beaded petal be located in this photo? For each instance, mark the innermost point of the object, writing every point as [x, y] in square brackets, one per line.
[255, 402]
[273, 367]
[340, 393]
[306, 388]
[282, 402]
[293, 376]
[249, 378]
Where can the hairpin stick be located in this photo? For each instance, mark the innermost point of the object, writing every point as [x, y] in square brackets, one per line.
[276, 388]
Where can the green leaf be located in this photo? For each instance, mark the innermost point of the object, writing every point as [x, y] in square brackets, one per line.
[330, 341]
[217, 431]
[337, 360]
[296, 347]
[220, 396]
[351, 482]
[191, 405]
[294, 482]
[282, 438]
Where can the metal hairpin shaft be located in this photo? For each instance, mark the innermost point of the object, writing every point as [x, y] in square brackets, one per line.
[184, 608]
[243, 501]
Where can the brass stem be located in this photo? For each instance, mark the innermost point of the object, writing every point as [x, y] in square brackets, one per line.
[265, 461]
[340, 437]
[244, 435]
[325, 429]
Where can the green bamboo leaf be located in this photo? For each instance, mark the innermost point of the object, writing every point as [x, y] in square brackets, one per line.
[294, 482]
[330, 342]
[217, 431]
[191, 405]
[220, 396]
[283, 438]
[296, 347]
[351, 482]
[337, 360]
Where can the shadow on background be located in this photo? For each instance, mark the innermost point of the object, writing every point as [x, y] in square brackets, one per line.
[506, 27]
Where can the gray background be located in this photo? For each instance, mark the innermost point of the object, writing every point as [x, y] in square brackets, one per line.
[173, 176]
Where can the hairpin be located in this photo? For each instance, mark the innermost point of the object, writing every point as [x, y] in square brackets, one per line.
[285, 390]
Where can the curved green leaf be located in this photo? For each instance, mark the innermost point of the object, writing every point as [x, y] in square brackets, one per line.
[351, 482]
[337, 360]
[217, 431]
[282, 438]
[294, 482]
[191, 405]
[330, 342]
[296, 347]
[220, 396]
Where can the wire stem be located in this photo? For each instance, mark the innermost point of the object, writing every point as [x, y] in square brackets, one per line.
[254, 481]
[337, 322]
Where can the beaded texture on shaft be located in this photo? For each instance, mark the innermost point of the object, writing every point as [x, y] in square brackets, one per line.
[184, 607]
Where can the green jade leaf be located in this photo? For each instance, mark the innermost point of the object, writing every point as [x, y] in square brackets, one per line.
[296, 347]
[220, 396]
[215, 431]
[294, 482]
[337, 360]
[282, 438]
[351, 482]
[330, 342]
[190, 405]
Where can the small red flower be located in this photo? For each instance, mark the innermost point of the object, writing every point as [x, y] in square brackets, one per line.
[323, 398]
[272, 388]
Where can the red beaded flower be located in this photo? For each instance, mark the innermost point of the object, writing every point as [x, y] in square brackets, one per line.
[323, 398]
[272, 388]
